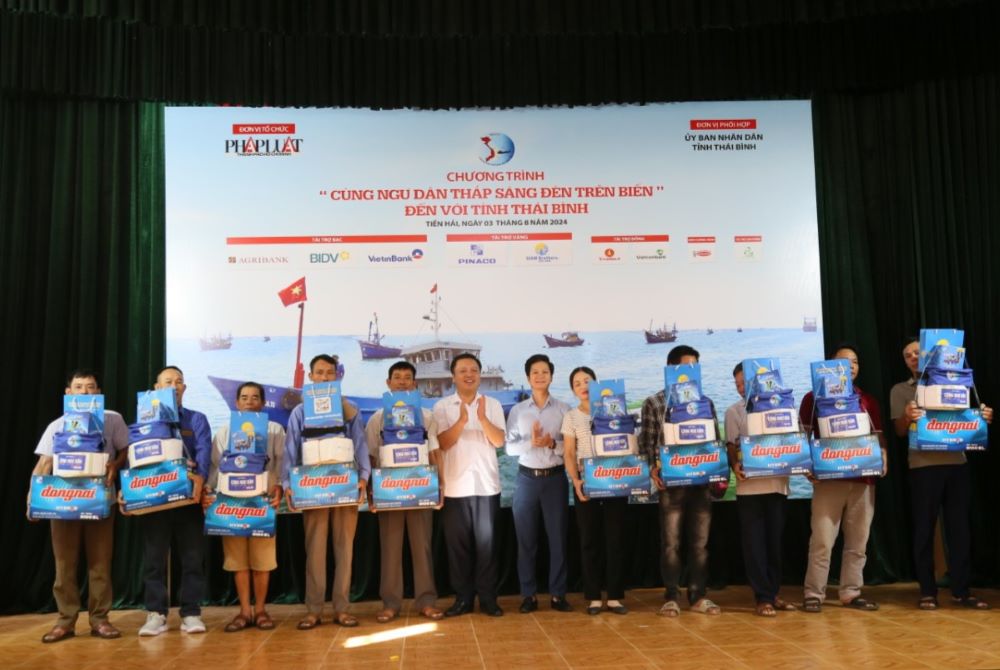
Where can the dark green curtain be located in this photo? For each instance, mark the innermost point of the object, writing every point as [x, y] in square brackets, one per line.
[905, 100]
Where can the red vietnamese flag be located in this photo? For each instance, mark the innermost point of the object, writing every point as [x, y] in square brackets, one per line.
[435, 289]
[294, 293]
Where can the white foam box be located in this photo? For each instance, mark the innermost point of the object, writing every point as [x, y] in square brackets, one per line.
[402, 455]
[772, 422]
[615, 444]
[242, 484]
[844, 425]
[79, 464]
[694, 431]
[156, 450]
[941, 396]
[320, 450]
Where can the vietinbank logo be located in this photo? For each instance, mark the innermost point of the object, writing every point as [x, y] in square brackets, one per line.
[396, 259]
[496, 149]
[328, 258]
[255, 145]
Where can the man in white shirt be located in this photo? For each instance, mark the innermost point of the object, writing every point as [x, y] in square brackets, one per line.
[418, 523]
[471, 430]
[533, 435]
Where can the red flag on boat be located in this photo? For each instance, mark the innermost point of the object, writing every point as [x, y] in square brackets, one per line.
[435, 289]
[294, 293]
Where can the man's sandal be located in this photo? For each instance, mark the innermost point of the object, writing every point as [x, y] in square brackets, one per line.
[860, 603]
[927, 603]
[346, 620]
[765, 610]
[263, 621]
[238, 623]
[971, 602]
[782, 605]
[310, 622]
[812, 605]
[670, 609]
[706, 606]
[386, 615]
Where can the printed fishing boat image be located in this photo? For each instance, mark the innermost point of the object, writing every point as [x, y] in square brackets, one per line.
[216, 342]
[431, 359]
[661, 334]
[809, 324]
[372, 348]
[568, 339]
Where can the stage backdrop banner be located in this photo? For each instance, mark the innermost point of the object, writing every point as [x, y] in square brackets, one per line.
[599, 236]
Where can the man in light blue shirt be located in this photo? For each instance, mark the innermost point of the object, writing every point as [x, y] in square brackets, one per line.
[533, 435]
[317, 522]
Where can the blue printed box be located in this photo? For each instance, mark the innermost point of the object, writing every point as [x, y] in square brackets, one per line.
[775, 455]
[615, 476]
[240, 517]
[326, 485]
[405, 488]
[847, 457]
[156, 485]
[72, 499]
[949, 430]
[694, 464]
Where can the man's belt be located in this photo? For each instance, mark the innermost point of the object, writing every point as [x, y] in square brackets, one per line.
[540, 472]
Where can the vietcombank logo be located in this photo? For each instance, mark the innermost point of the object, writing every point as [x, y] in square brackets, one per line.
[264, 139]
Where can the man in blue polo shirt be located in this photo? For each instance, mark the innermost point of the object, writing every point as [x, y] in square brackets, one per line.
[183, 524]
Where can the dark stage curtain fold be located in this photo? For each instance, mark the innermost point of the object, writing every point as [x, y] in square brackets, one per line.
[905, 106]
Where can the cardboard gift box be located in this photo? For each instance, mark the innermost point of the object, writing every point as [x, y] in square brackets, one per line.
[949, 430]
[405, 488]
[322, 450]
[845, 458]
[614, 477]
[402, 455]
[694, 464]
[844, 425]
[72, 499]
[775, 455]
[242, 484]
[615, 444]
[695, 431]
[150, 452]
[942, 396]
[82, 464]
[156, 487]
[327, 485]
[240, 517]
[772, 422]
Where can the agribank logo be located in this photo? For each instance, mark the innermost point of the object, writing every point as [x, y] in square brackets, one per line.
[496, 149]
[255, 145]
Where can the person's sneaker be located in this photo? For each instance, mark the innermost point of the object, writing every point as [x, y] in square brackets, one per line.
[155, 624]
[192, 624]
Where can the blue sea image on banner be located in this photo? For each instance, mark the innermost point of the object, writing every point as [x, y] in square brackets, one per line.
[71, 499]
[847, 457]
[405, 488]
[92, 404]
[326, 485]
[240, 517]
[323, 405]
[775, 455]
[949, 430]
[615, 476]
[248, 432]
[157, 405]
[831, 379]
[938, 337]
[694, 464]
[155, 485]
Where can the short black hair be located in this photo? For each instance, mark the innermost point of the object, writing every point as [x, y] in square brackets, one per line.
[582, 368]
[402, 365]
[908, 340]
[538, 358]
[738, 369]
[679, 352]
[82, 373]
[464, 355]
[260, 389]
[844, 345]
[169, 367]
[326, 358]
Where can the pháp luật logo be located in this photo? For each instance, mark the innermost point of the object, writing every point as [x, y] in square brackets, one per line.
[255, 145]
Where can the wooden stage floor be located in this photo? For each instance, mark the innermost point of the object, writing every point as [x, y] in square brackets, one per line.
[897, 636]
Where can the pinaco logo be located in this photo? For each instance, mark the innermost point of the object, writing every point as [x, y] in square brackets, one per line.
[845, 454]
[616, 474]
[154, 480]
[952, 427]
[254, 145]
[405, 484]
[241, 512]
[775, 451]
[324, 481]
[69, 495]
[693, 460]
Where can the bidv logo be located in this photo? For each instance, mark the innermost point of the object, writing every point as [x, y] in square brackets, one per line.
[496, 149]
[325, 258]
[394, 259]
[254, 145]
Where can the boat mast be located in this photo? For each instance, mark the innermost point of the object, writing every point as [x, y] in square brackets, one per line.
[433, 317]
[300, 372]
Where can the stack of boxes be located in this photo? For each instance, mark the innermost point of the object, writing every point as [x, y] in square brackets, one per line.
[76, 490]
[404, 479]
[158, 476]
[945, 391]
[846, 446]
[693, 454]
[241, 507]
[616, 469]
[328, 476]
[775, 445]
